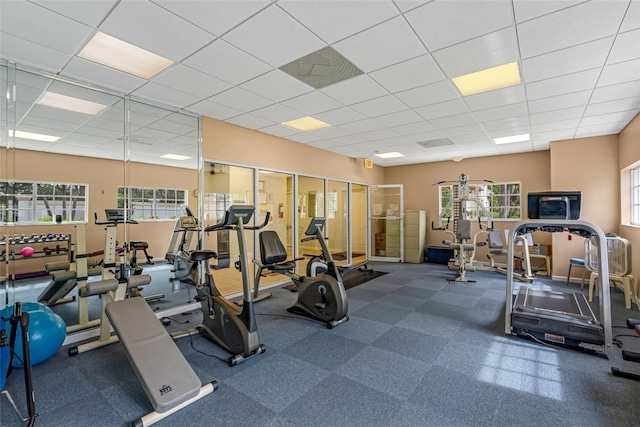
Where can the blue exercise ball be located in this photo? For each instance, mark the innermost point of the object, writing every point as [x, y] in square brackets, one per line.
[47, 332]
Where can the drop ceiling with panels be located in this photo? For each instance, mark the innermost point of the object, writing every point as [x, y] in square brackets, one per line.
[579, 63]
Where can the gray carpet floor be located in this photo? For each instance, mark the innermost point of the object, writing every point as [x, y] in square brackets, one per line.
[417, 351]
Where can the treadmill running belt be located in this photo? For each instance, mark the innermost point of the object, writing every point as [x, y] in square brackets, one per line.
[564, 318]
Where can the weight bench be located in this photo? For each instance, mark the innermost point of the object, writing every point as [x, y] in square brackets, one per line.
[165, 375]
[62, 282]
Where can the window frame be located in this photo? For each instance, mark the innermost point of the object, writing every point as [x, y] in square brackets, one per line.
[150, 200]
[480, 192]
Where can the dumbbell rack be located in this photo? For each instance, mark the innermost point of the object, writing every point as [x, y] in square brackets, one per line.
[45, 245]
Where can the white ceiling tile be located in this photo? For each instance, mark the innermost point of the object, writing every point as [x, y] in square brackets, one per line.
[312, 103]
[277, 113]
[620, 73]
[613, 106]
[279, 130]
[510, 124]
[378, 135]
[385, 44]
[38, 25]
[575, 99]
[362, 126]
[632, 18]
[341, 141]
[191, 81]
[24, 52]
[600, 129]
[447, 133]
[249, 121]
[89, 13]
[340, 116]
[554, 116]
[493, 49]
[226, 62]
[625, 47]
[276, 86]
[274, 37]
[414, 128]
[399, 118]
[496, 98]
[570, 27]
[583, 80]
[474, 138]
[443, 109]
[433, 22]
[518, 147]
[429, 94]
[128, 17]
[216, 17]
[537, 128]
[406, 5]
[566, 61]
[377, 107]
[329, 132]
[620, 117]
[453, 121]
[335, 20]
[409, 74]
[91, 72]
[529, 9]
[507, 111]
[613, 92]
[354, 90]
[553, 135]
[501, 133]
[165, 95]
[240, 99]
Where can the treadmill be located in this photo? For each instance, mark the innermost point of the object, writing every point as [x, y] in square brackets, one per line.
[556, 317]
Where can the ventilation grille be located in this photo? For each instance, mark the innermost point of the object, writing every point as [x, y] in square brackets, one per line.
[321, 68]
[435, 143]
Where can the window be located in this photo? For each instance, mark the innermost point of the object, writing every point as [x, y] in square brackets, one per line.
[28, 202]
[500, 200]
[152, 203]
[635, 196]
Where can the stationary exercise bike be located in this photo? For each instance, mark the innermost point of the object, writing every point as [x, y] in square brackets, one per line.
[184, 268]
[231, 327]
[322, 298]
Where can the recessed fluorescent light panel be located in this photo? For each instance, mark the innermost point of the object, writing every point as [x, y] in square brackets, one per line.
[115, 53]
[390, 155]
[490, 79]
[64, 102]
[175, 157]
[514, 138]
[306, 124]
[34, 136]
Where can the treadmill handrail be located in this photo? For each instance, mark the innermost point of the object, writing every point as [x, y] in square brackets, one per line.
[575, 226]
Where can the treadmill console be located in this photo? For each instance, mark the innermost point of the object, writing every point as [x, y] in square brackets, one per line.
[554, 205]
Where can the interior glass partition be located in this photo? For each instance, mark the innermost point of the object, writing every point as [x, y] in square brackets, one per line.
[337, 229]
[311, 203]
[226, 185]
[358, 216]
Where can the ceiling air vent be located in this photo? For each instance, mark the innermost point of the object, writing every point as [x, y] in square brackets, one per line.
[442, 142]
[321, 68]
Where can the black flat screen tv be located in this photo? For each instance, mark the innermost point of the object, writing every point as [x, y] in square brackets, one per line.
[554, 205]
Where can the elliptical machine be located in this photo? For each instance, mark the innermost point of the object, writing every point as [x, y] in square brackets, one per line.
[184, 268]
[323, 297]
[231, 327]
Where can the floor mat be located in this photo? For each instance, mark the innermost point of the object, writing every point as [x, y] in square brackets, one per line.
[358, 277]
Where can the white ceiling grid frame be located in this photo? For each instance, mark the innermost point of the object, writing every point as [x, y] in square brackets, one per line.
[99, 75]
[354, 90]
[274, 37]
[191, 81]
[277, 86]
[333, 21]
[409, 74]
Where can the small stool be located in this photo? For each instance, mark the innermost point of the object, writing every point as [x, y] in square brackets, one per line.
[628, 286]
[578, 262]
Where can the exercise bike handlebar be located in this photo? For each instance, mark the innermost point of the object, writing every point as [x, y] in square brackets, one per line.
[241, 212]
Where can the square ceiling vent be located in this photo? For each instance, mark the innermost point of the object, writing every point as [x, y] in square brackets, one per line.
[321, 68]
[442, 142]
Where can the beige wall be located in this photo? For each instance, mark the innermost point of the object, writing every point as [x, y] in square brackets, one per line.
[225, 142]
[591, 166]
[420, 193]
[629, 153]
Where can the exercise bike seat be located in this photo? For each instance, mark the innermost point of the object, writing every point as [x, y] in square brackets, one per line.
[273, 254]
[202, 255]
